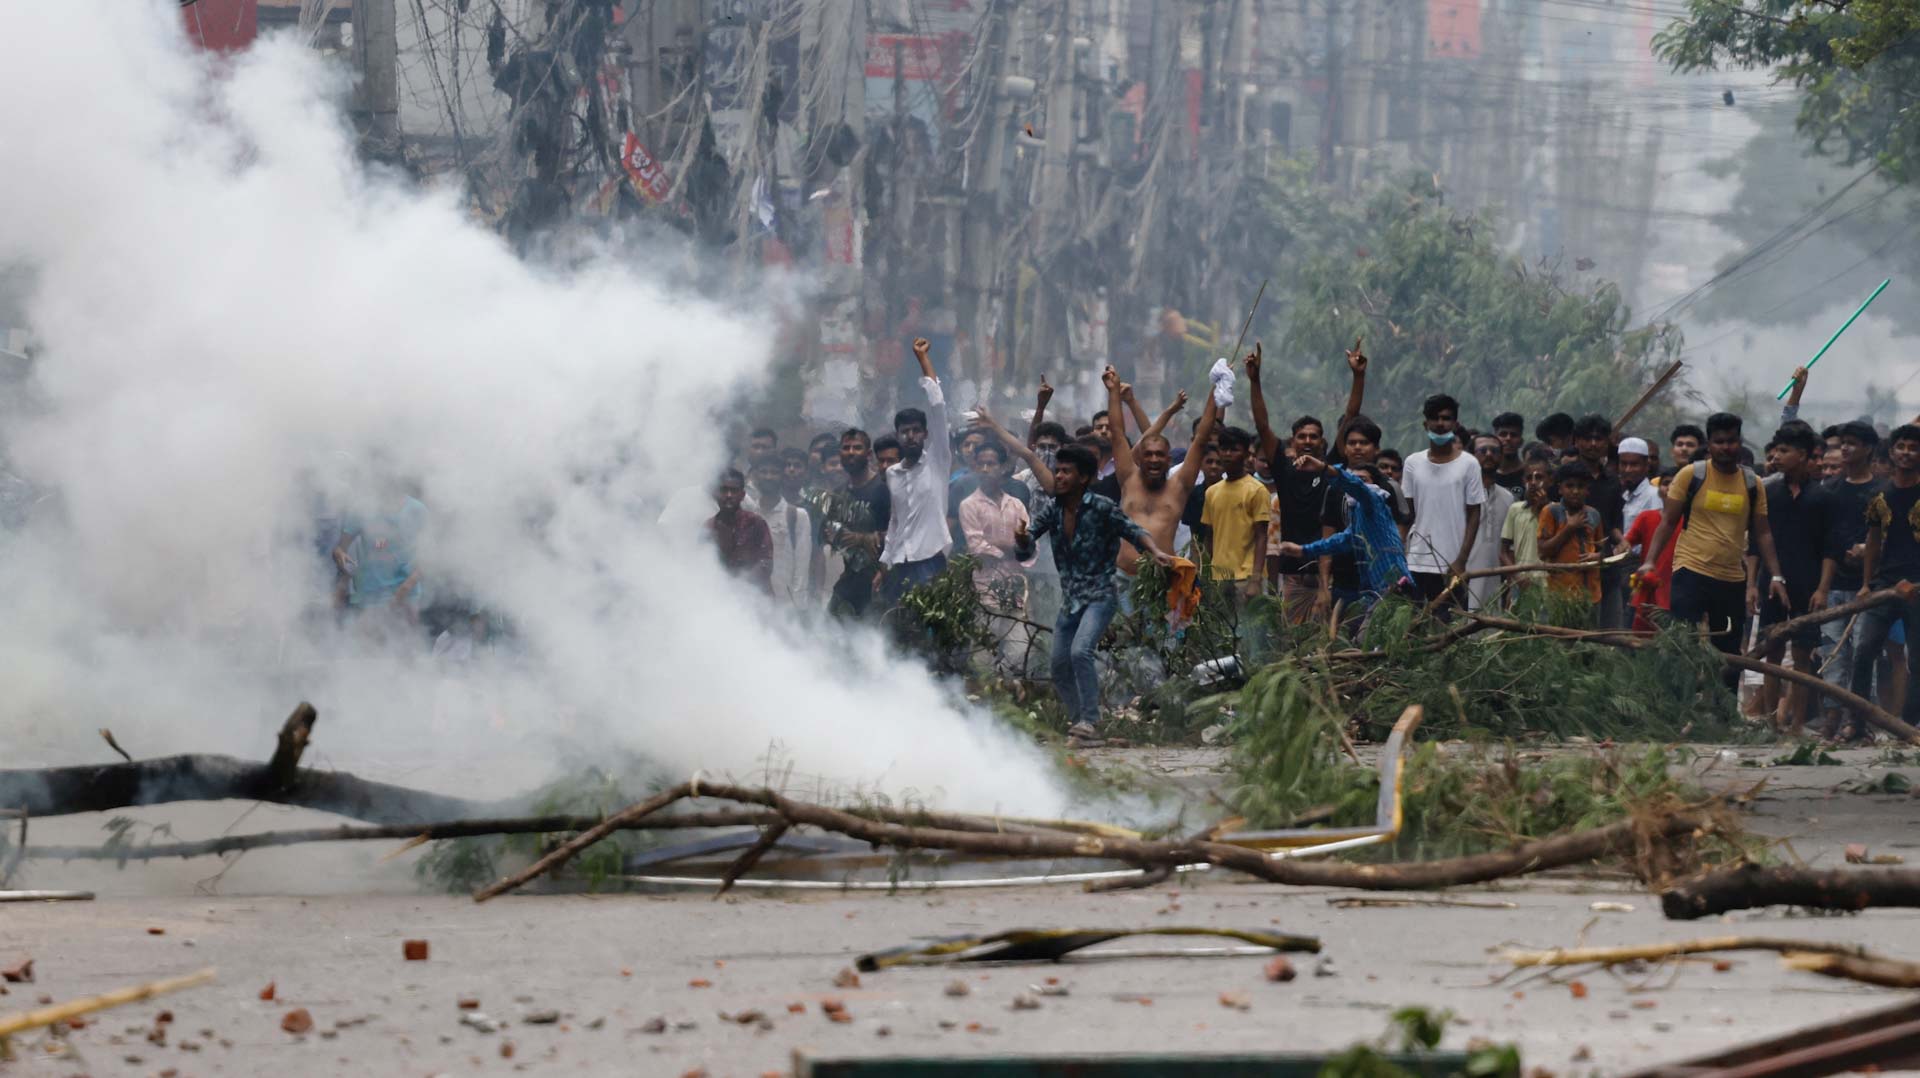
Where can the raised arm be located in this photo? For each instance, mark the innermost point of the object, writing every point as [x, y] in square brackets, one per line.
[1122, 452]
[1133, 408]
[1160, 425]
[1269, 442]
[1041, 473]
[1039, 410]
[1197, 448]
[1791, 411]
[939, 451]
[1357, 363]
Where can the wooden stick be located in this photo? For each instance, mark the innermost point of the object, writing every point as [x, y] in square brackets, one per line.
[568, 849]
[115, 745]
[1645, 396]
[751, 856]
[1902, 592]
[1545, 567]
[74, 1008]
[1885, 972]
[1651, 952]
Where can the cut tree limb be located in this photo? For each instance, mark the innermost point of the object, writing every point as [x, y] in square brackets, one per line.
[1646, 395]
[751, 856]
[1576, 848]
[418, 832]
[1750, 886]
[62, 791]
[1778, 631]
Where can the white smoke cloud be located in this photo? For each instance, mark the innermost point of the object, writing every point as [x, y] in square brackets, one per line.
[233, 317]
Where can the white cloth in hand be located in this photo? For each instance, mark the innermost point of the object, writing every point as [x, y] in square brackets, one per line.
[1222, 376]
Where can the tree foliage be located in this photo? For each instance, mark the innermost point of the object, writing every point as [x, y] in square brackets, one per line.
[1856, 63]
[1443, 308]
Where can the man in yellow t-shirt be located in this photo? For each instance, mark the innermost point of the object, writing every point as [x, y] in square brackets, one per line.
[1236, 510]
[1721, 501]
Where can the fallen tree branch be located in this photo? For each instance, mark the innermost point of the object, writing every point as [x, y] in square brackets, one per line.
[429, 832]
[1646, 395]
[1867, 969]
[1778, 631]
[63, 791]
[1750, 886]
[1544, 567]
[1577, 848]
[1652, 952]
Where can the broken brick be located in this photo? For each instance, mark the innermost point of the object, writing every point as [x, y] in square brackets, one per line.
[268, 992]
[414, 950]
[846, 978]
[1280, 969]
[796, 1008]
[467, 1004]
[1856, 853]
[1578, 988]
[297, 1021]
[20, 973]
[1236, 1001]
[699, 982]
[156, 931]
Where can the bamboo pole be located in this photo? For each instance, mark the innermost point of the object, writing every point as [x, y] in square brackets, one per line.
[119, 997]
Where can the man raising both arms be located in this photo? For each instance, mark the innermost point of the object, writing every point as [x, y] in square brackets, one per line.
[1151, 495]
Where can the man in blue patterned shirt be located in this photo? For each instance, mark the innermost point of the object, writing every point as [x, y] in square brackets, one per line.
[1371, 535]
[1087, 529]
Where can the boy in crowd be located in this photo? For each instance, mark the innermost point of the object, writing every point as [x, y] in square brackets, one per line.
[1520, 532]
[1305, 587]
[1843, 554]
[1443, 483]
[1371, 539]
[1392, 464]
[1571, 532]
[741, 537]
[855, 525]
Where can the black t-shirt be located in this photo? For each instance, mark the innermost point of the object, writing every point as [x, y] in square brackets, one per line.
[1107, 488]
[1515, 481]
[1847, 527]
[1897, 509]
[1605, 495]
[863, 508]
[1302, 497]
[1799, 527]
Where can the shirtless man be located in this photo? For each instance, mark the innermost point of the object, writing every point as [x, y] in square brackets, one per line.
[1150, 496]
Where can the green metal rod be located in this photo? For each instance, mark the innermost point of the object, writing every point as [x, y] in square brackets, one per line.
[1782, 395]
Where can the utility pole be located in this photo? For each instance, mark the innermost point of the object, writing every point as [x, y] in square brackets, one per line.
[376, 55]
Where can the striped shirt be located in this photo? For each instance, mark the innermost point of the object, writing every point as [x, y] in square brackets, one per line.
[1370, 536]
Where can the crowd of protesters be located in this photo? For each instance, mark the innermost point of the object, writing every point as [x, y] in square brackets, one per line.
[1605, 530]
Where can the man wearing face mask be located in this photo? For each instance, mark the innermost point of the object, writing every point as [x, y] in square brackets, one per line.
[1443, 483]
[917, 535]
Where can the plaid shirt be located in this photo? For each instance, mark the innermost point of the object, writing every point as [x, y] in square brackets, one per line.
[1086, 561]
[1371, 535]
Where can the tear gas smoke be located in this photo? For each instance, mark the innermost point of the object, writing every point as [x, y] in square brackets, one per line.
[240, 332]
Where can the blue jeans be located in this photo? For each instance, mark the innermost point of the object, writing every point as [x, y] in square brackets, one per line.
[1870, 639]
[907, 576]
[1076, 633]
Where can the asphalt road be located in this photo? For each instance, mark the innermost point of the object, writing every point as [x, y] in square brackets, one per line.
[641, 982]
